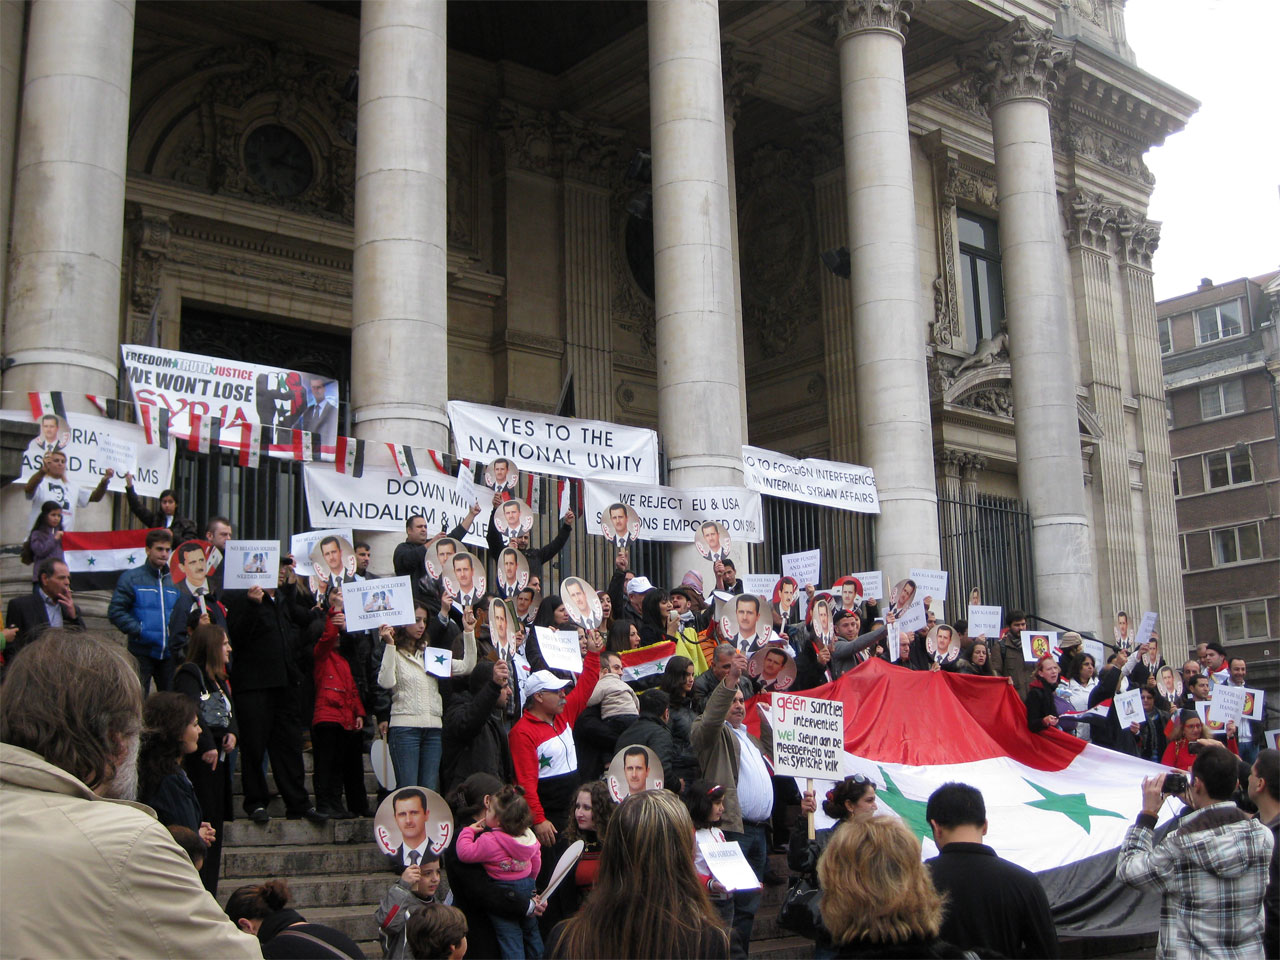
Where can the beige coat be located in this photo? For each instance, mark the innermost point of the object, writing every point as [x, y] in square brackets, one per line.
[415, 694]
[717, 748]
[86, 877]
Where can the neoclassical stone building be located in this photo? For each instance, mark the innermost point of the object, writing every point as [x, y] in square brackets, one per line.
[620, 209]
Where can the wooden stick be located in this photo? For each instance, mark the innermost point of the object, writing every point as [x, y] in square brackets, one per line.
[808, 785]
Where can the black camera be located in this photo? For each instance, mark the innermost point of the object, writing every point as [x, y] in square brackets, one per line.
[1174, 783]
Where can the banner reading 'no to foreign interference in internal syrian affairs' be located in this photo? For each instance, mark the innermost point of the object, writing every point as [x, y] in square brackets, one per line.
[840, 485]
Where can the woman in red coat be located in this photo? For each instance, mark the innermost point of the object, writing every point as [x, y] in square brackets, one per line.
[337, 741]
[1178, 753]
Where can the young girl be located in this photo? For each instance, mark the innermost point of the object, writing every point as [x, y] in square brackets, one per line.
[705, 801]
[45, 539]
[504, 842]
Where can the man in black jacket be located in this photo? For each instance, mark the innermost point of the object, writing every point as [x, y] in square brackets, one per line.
[992, 904]
[475, 735]
[263, 626]
[50, 605]
[536, 556]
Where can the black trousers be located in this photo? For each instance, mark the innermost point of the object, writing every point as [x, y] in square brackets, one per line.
[339, 766]
[269, 725]
[213, 790]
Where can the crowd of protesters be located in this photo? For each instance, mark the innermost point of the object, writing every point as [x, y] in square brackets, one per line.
[247, 677]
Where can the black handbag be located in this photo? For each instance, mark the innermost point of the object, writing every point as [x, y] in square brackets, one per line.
[214, 712]
[799, 911]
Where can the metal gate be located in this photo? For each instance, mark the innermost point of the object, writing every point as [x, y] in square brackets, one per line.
[986, 543]
[847, 540]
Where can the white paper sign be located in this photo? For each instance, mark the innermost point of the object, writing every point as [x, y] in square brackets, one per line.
[556, 445]
[893, 637]
[930, 583]
[985, 621]
[872, 584]
[673, 515]
[914, 617]
[1272, 738]
[728, 865]
[467, 489]
[759, 584]
[1038, 643]
[1226, 703]
[560, 649]
[1253, 700]
[840, 485]
[301, 544]
[251, 563]
[438, 661]
[1096, 650]
[808, 736]
[97, 443]
[1144, 628]
[1129, 707]
[384, 500]
[369, 604]
[805, 567]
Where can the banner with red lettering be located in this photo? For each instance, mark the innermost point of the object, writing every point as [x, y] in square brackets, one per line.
[196, 389]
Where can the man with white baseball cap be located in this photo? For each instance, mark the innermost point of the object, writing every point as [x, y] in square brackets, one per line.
[542, 748]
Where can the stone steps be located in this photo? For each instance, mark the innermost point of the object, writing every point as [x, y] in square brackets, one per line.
[322, 892]
[291, 861]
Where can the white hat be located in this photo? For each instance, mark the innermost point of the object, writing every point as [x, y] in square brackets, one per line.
[638, 585]
[542, 680]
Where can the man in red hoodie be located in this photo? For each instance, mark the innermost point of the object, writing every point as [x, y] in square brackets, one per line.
[542, 749]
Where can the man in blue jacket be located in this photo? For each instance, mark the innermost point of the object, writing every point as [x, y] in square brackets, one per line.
[141, 607]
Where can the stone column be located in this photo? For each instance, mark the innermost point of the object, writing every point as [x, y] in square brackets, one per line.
[1137, 241]
[699, 390]
[62, 323]
[1092, 221]
[739, 70]
[399, 339]
[1019, 68]
[12, 15]
[895, 435]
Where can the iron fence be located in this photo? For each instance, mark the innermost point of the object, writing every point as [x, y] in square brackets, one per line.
[847, 540]
[986, 543]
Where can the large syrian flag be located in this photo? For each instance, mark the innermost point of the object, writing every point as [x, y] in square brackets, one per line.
[1056, 805]
[96, 560]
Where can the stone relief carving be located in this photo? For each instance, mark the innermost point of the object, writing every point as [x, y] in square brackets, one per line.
[1076, 138]
[1137, 239]
[632, 307]
[953, 181]
[822, 139]
[460, 159]
[149, 234]
[853, 16]
[988, 351]
[965, 96]
[528, 137]
[1017, 61]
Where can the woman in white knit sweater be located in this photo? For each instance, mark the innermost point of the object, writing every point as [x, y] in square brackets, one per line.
[417, 708]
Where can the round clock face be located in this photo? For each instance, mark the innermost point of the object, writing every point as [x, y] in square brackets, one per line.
[278, 160]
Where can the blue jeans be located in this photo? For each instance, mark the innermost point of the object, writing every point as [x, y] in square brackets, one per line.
[415, 755]
[518, 939]
[755, 847]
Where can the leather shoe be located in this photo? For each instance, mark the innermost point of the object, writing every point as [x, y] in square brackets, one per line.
[260, 815]
[314, 815]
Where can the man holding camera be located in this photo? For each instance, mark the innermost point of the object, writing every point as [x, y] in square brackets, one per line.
[1211, 869]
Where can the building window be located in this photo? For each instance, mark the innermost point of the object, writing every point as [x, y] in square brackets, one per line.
[1243, 621]
[1166, 338]
[1236, 544]
[1221, 399]
[1177, 480]
[1227, 468]
[980, 279]
[1182, 549]
[1219, 323]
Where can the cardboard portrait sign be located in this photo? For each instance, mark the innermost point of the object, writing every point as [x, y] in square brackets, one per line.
[301, 544]
[501, 475]
[333, 559]
[820, 615]
[1213, 726]
[1252, 704]
[412, 819]
[633, 769]
[1169, 683]
[907, 606]
[383, 768]
[943, 643]
[55, 434]
[581, 602]
[711, 540]
[513, 572]
[440, 554]
[744, 622]
[187, 563]
[786, 600]
[620, 524]
[513, 519]
[848, 593]
[503, 625]
[772, 668]
[463, 580]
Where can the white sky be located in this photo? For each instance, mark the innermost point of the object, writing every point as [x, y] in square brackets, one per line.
[1218, 181]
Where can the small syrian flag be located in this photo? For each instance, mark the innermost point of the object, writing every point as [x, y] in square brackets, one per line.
[437, 661]
[107, 406]
[533, 495]
[563, 496]
[402, 454]
[155, 424]
[350, 456]
[1056, 805]
[252, 437]
[200, 438]
[647, 661]
[305, 443]
[96, 560]
[43, 404]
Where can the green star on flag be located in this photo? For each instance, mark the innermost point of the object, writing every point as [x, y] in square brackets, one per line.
[131, 560]
[1074, 806]
[911, 811]
[439, 658]
[92, 561]
[543, 762]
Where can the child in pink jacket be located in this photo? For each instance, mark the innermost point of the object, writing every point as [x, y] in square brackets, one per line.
[504, 842]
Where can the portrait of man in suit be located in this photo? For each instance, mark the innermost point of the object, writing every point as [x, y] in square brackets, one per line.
[410, 808]
[321, 414]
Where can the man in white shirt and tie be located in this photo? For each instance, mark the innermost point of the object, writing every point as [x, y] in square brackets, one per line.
[410, 808]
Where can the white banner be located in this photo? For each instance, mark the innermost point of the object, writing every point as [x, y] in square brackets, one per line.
[96, 444]
[369, 604]
[840, 485]
[672, 515]
[235, 392]
[808, 736]
[381, 500]
[566, 447]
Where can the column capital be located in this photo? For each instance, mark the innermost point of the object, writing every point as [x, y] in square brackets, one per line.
[1137, 240]
[739, 70]
[862, 16]
[1092, 219]
[1018, 62]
